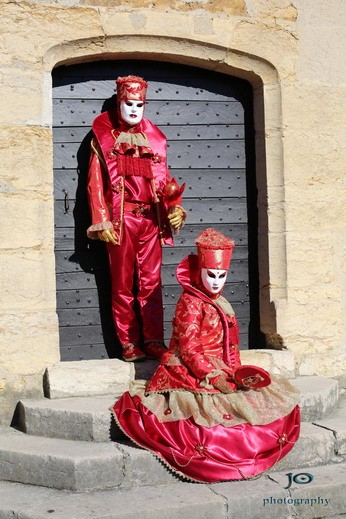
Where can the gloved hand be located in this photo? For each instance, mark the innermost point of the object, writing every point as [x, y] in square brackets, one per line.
[177, 217]
[220, 382]
[107, 235]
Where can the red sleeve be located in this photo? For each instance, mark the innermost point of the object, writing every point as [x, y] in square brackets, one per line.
[100, 217]
[187, 324]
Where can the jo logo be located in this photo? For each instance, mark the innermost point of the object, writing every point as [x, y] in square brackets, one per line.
[302, 478]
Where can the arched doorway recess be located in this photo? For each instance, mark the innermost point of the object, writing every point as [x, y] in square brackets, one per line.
[208, 120]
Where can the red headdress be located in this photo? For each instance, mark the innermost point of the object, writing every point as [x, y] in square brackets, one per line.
[131, 88]
[214, 250]
[135, 154]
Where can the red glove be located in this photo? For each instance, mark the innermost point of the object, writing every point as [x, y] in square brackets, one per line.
[222, 384]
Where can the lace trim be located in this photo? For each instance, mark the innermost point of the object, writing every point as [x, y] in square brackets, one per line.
[96, 227]
[256, 407]
[195, 391]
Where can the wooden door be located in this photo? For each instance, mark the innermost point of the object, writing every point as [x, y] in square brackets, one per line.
[207, 118]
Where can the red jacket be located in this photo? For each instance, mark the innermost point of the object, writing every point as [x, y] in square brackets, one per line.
[106, 186]
[204, 342]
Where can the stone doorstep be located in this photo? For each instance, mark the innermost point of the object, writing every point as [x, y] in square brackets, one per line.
[319, 396]
[108, 376]
[87, 378]
[89, 418]
[277, 362]
[86, 466]
[79, 418]
[75, 465]
[324, 496]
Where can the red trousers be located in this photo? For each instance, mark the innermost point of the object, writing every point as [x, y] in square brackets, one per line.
[140, 252]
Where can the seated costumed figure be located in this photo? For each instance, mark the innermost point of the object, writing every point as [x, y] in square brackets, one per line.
[202, 413]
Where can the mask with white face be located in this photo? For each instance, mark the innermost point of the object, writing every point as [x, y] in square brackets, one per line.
[131, 111]
[213, 280]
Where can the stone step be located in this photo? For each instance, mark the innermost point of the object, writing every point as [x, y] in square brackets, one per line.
[319, 396]
[89, 418]
[80, 418]
[86, 466]
[87, 378]
[277, 362]
[324, 497]
[336, 422]
[76, 465]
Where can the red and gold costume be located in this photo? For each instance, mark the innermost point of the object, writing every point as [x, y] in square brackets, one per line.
[200, 431]
[204, 342]
[127, 175]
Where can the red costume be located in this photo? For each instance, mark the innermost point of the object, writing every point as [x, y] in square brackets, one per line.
[200, 432]
[204, 342]
[127, 175]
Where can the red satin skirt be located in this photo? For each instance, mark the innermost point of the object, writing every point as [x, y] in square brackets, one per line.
[208, 454]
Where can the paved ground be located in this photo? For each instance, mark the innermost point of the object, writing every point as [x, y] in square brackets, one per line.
[313, 493]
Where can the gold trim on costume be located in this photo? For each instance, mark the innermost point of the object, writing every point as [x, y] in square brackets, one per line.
[98, 153]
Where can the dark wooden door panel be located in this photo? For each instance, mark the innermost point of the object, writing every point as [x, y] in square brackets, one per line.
[82, 352]
[68, 111]
[79, 279]
[77, 298]
[219, 154]
[172, 132]
[188, 234]
[203, 116]
[66, 262]
[65, 237]
[89, 316]
[216, 181]
[159, 91]
[78, 335]
[208, 211]
[216, 210]
[174, 255]
[75, 280]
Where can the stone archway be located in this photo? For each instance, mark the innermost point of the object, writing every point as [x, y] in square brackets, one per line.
[266, 89]
[207, 118]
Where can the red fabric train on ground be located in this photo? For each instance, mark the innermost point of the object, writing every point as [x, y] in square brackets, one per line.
[180, 415]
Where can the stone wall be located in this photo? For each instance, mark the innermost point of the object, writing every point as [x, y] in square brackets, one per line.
[290, 52]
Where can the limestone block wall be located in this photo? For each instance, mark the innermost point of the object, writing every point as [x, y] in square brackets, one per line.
[290, 52]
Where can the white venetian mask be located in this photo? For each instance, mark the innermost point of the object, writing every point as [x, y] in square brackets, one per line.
[131, 111]
[213, 280]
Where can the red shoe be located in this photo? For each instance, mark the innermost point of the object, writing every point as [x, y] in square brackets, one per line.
[131, 352]
[153, 350]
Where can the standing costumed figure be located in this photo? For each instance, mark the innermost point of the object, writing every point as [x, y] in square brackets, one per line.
[202, 413]
[133, 205]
